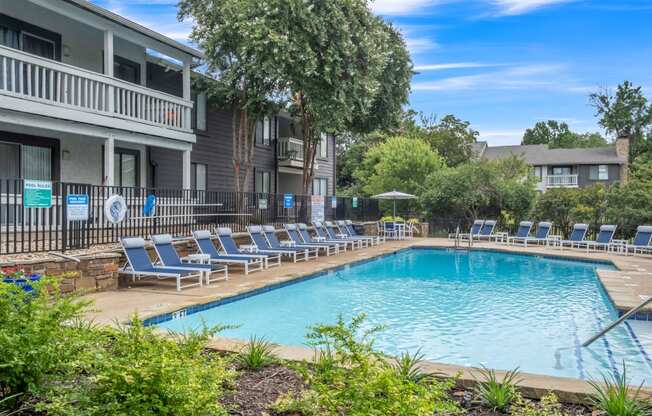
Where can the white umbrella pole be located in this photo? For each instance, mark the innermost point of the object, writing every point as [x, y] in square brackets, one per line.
[394, 210]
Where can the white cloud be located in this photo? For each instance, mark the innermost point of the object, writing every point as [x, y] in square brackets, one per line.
[519, 77]
[502, 137]
[400, 7]
[420, 45]
[453, 65]
[514, 7]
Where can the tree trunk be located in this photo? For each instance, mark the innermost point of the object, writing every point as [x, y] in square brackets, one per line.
[310, 141]
[243, 149]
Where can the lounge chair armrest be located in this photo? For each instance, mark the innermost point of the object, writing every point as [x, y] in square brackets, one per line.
[196, 258]
[341, 235]
[619, 242]
[319, 238]
[288, 243]
[555, 237]
[249, 248]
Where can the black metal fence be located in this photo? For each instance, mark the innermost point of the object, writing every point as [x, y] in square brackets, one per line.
[178, 212]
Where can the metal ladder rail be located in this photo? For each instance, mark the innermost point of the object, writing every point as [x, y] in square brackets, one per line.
[616, 322]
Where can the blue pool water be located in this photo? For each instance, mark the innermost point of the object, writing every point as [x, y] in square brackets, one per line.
[468, 308]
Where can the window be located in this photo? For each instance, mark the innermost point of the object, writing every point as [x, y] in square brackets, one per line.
[9, 37]
[200, 111]
[322, 147]
[263, 182]
[537, 172]
[126, 167]
[320, 186]
[562, 170]
[126, 70]
[36, 163]
[264, 131]
[38, 46]
[599, 173]
[9, 160]
[198, 176]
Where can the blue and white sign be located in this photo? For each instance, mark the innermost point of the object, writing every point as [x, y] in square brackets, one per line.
[115, 209]
[77, 207]
[288, 201]
[334, 202]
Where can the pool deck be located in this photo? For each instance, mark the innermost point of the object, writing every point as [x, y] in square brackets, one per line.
[626, 287]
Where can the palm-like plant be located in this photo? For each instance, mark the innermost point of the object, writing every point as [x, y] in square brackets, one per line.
[407, 366]
[614, 397]
[497, 395]
[258, 353]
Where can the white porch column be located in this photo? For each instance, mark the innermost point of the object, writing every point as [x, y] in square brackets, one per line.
[186, 169]
[108, 67]
[187, 91]
[109, 147]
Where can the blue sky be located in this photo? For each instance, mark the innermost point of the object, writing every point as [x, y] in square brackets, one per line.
[503, 65]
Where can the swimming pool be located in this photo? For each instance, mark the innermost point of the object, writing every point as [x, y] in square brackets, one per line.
[460, 307]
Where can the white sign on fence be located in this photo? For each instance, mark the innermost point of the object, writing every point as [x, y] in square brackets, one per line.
[317, 208]
[115, 209]
[77, 207]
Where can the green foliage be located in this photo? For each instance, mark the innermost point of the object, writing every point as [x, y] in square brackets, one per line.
[389, 218]
[353, 379]
[591, 206]
[614, 397]
[498, 395]
[626, 114]
[407, 367]
[558, 135]
[548, 406]
[557, 205]
[630, 205]
[399, 163]
[258, 353]
[480, 188]
[133, 370]
[37, 340]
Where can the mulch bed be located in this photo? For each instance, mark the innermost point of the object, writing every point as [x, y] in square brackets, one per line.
[255, 391]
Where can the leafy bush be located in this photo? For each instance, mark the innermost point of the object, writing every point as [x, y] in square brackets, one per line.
[258, 353]
[352, 379]
[548, 406]
[407, 367]
[614, 397]
[389, 218]
[38, 340]
[497, 395]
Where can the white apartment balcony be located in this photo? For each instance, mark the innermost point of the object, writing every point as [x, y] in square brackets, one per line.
[42, 86]
[290, 155]
[561, 181]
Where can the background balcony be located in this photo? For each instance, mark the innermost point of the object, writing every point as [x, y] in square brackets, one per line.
[561, 181]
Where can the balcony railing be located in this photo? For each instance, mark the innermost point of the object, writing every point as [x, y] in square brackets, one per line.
[561, 181]
[290, 152]
[43, 80]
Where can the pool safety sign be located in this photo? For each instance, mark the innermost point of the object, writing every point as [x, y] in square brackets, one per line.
[37, 194]
[262, 203]
[77, 207]
[317, 208]
[288, 201]
[354, 202]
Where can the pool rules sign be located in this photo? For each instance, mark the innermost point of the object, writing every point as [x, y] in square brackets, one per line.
[317, 208]
[37, 194]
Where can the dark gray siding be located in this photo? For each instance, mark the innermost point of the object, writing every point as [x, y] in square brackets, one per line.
[583, 175]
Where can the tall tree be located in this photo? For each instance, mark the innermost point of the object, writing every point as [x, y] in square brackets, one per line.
[558, 135]
[347, 71]
[243, 66]
[626, 114]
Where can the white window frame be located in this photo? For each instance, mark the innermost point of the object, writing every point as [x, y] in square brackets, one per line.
[323, 186]
[22, 43]
[195, 176]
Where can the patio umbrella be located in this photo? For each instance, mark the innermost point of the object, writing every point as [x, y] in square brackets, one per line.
[393, 196]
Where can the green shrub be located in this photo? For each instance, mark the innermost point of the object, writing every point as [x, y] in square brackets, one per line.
[352, 379]
[134, 371]
[38, 341]
[258, 353]
[548, 406]
[497, 395]
[614, 397]
[407, 367]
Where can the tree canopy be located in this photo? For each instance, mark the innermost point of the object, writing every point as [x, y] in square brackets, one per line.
[558, 135]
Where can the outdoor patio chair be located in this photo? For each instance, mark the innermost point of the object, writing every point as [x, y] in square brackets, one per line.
[270, 233]
[641, 242]
[376, 239]
[140, 265]
[295, 236]
[523, 231]
[473, 232]
[225, 237]
[542, 235]
[333, 234]
[205, 244]
[603, 240]
[263, 247]
[168, 255]
[323, 234]
[576, 239]
[307, 238]
[343, 229]
[486, 231]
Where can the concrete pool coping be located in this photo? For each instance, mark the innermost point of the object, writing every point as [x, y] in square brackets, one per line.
[624, 287]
